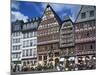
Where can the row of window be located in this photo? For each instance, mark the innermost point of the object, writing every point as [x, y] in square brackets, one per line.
[64, 36]
[70, 44]
[29, 34]
[84, 15]
[48, 47]
[16, 47]
[67, 37]
[29, 52]
[29, 62]
[16, 34]
[44, 57]
[86, 46]
[17, 55]
[49, 31]
[25, 35]
[50, 55]
[85, 25]
[48, 25]
[66, 41]
[48, 21]
[30, 25]
[67, 31]
[85, 34]
[48, 38]
[29, 43]
[17, 40]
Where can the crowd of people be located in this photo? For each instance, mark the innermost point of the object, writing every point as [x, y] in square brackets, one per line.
[61, 66]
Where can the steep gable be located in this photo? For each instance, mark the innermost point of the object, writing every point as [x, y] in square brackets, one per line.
[86, 13]
[49, 14]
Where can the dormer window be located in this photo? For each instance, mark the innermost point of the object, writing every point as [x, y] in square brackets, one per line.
[24, 26]
[31, 25]
[28, 26]
[83, 15]
[35, 24]
[91, 13]
[16, 27]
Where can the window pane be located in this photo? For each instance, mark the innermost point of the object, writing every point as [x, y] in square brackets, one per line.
[40, 57]
[26, 52]
[83, 15]
[91, 13]
[30, 52]
[23, 53]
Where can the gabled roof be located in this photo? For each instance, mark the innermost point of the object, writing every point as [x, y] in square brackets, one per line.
[67, 18]
[55, 15]
[78, 14]
[84, 8]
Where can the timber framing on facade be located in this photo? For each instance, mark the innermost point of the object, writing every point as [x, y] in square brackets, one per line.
[49, 41]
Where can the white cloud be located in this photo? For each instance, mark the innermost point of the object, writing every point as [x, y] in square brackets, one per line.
[61, 7]
[58, 7]
[15, 15]
[15, 5]
[44, 5]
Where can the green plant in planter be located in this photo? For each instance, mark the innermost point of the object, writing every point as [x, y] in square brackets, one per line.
[45, 67]
[50, 66]
[39, 67]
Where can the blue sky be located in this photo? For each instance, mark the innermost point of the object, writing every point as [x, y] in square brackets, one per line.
[23, 10]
